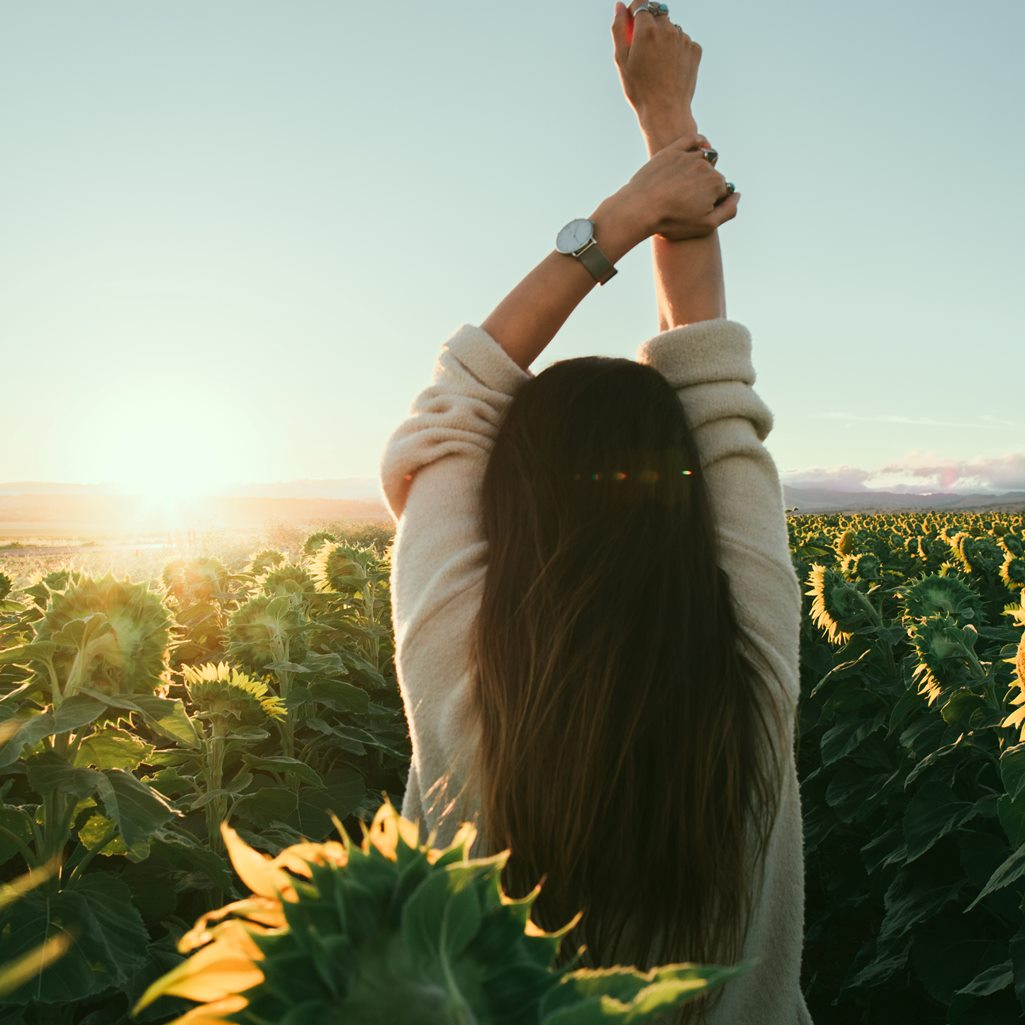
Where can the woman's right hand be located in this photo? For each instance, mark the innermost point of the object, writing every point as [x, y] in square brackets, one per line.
[658, 69]
[681, 193]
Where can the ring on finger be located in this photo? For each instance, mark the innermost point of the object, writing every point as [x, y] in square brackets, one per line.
[643, 7]
[730, 188]
[711, 155]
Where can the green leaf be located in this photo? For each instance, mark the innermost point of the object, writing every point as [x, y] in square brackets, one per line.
[49, 773]
[342, 795]
[289, 767]
[339, 696]
[1012, 771]
[934, 812]
[137, 809]
[112, 748]
[1011, 870]
[168, 716]
[910, 900]
[109, 939]
[840, 740]
[183, 854]
[37, 650]
[959, 707]
[990, 981]
[73, 714]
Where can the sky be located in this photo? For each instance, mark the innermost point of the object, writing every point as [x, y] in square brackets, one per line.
[235, 233]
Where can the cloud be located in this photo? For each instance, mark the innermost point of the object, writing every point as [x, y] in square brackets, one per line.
[919, 472]
[999, 473]
[837, 478]
[984, 422]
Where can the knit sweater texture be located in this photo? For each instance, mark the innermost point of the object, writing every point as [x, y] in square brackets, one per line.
[431, 473]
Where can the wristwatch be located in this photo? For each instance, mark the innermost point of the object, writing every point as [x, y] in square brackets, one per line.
[577, 239]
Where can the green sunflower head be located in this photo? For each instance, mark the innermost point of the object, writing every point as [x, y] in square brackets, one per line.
[288, 579]
[343, 568]
[54, 582]
[314, 542]
[265, 630]
[194, 581]
[264, 560]
[980, 555]
[395, 932]
[845, 542]
[942, 646]
[6, 585]
[937, 595]
[839, 608]
[1013, 545]
[111, 635]
[864, 566]
[1012, 572]
[223, 690]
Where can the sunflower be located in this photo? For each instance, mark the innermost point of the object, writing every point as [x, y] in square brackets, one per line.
[941, 596]
[192, 581]
[839, 608]
[343, 568]
[266, 630]
[314, 541]
[264, 560]
[110, 634]
[288, 579]
[394, 932]
[222, 690]
[943, 647]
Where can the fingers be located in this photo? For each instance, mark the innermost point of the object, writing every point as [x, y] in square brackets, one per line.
[622, 33]
[724, 211]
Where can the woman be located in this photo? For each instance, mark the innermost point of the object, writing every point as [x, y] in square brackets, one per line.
[595, 611]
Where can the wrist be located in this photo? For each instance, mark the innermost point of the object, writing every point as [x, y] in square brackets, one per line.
[659, 132]
[622, 221]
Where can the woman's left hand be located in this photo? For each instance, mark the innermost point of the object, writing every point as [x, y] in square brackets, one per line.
[658, 69]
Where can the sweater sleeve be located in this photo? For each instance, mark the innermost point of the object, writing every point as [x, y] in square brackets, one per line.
[431, 473]
[709, 365]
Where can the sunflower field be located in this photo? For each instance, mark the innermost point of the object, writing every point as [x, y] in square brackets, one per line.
[912, 766]
[138, 717]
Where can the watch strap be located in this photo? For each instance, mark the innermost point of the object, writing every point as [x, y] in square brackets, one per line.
[599, 265]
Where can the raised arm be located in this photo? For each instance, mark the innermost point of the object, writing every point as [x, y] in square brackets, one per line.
[676, 194]
[658, 68]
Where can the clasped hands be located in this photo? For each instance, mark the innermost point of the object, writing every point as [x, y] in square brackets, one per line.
[684, 195]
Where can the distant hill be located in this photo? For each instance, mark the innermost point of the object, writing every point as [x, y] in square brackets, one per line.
[823, 500]
[344, 488]
[347, 497]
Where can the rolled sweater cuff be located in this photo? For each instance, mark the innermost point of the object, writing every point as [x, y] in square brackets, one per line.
[709, 362]
[482, 356]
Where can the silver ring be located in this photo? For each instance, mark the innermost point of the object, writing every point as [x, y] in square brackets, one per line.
[710, 155]
[643, 7]
[661, 9]
[730, 188]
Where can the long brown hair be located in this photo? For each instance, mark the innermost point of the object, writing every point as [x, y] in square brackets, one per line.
[623, 726]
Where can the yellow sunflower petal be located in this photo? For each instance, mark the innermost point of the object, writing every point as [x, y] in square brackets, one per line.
[1015, 718]
[297, 857]
[256, 870]
[213, 973]
[212, 1014]
[257, 911]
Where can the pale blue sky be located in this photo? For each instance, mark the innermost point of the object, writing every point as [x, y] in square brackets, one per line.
[233, 235]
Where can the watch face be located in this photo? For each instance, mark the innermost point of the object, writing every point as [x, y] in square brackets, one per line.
[576, 234]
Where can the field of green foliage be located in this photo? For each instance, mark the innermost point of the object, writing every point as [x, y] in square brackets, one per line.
[136, 715]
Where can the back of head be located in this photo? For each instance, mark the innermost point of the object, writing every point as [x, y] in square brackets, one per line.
[621, 721]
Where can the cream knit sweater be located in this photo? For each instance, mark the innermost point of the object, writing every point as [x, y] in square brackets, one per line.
[431, 473]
